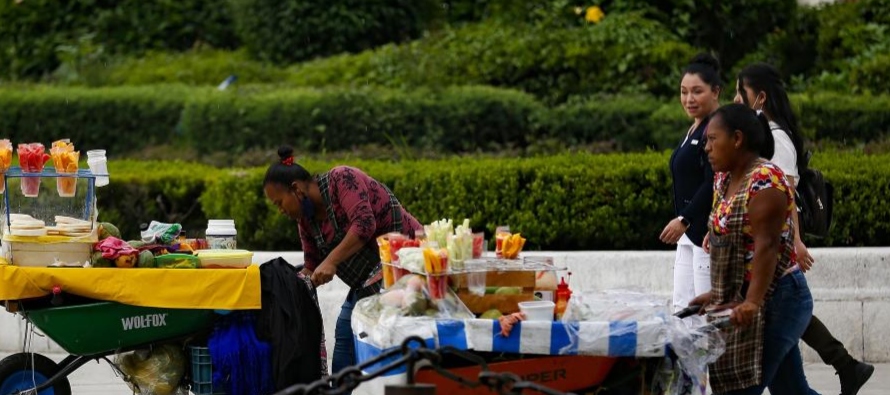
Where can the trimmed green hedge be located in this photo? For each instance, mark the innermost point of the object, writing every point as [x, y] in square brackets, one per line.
[450, 120]
[460, 119]
[140, 192]
[117, 119]
[564, 202]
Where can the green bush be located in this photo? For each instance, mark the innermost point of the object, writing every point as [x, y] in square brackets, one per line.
[120, 120]
[36, 34]
[199, 67]
[285, 31]
[729, 28]
[843, 117]
[624, 53]
[461, 119]
[245, 119]
[141, 192]
[564, 202]
[632, 123]
[792, 50]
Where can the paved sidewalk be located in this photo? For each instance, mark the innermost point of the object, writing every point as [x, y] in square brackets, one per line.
[99, 379]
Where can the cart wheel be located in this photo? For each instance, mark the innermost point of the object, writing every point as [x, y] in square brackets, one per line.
[16, 374]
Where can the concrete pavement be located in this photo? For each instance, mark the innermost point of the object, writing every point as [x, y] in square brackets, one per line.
[99, 379]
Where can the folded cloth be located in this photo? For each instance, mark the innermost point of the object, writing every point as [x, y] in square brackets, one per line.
[112, 248]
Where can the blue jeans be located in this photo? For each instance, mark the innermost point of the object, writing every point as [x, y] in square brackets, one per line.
[788, 313]
[344, 343]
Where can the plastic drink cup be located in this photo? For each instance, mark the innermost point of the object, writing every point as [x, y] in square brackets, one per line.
[437, 285]
[31, 186]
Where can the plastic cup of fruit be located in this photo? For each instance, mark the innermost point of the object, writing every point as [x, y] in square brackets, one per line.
[67, 186]
[30, 186]
[437, 284]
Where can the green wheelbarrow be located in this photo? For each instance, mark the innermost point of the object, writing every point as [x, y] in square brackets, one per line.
[87, 331]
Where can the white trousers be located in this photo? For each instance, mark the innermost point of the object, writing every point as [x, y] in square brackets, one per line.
[692, 273]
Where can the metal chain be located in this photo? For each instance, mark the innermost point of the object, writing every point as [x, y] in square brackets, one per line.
[350, 378]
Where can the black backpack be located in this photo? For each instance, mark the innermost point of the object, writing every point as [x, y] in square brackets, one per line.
[815, 200]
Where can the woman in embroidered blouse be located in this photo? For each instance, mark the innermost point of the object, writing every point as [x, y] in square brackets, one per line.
[753, 270]
[340, 214]
[760, 87]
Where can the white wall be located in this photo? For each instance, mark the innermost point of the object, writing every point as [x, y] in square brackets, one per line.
[851, 287]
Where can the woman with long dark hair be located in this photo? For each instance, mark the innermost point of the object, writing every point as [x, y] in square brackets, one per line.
[760, 87]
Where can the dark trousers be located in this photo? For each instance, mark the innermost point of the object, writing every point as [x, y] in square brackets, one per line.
[831, 350]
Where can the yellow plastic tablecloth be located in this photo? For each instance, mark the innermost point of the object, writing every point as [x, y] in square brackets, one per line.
[228, 289]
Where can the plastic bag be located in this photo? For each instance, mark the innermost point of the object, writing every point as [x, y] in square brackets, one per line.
[694, 344]
[161, 233]
[154, 372]
[616, 323]
[403, 310]
[615, 305]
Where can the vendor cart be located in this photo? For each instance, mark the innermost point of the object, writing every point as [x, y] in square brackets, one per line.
[92, 322]
[624, 342]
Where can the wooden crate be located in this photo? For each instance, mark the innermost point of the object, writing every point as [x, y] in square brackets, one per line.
[506, 304]
[499, 279]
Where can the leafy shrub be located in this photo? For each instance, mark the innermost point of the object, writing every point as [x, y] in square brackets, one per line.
[632, 123]
[166, 191]
[33, 32]
[842, 117]
[284, 31]
[460, 119]
[563, 202]
[200, 67]
[730, 28]
[119, 120]
[624, 53]
[206, 123]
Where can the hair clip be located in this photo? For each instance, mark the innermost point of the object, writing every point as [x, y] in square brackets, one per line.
[288, 161]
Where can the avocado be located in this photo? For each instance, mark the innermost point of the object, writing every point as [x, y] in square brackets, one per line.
[146, 259]
[508, 291]
[137, 244]
[107, 229]
[99, 261]
[492, 314]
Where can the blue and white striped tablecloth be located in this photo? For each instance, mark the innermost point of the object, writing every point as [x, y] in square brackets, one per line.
[610, 338]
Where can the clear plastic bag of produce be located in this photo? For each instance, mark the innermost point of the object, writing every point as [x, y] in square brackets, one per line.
[156, 371]
[694, 344]
[403, 310]
[617, 323]
[616, 305]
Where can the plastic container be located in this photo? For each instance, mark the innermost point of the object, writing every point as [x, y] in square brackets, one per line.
[98, 165]
[44, 254]
[501, 233]
[176, 261]
[221, 234]
[202, 372]
[224, 259]
[538, 310]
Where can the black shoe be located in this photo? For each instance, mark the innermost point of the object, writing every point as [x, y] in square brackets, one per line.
[854, 376]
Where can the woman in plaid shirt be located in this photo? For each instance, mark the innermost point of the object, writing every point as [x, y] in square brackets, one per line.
[340, 214]
[753, 272]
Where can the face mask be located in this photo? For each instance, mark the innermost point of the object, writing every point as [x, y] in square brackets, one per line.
[308, 207]
[757, 106]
